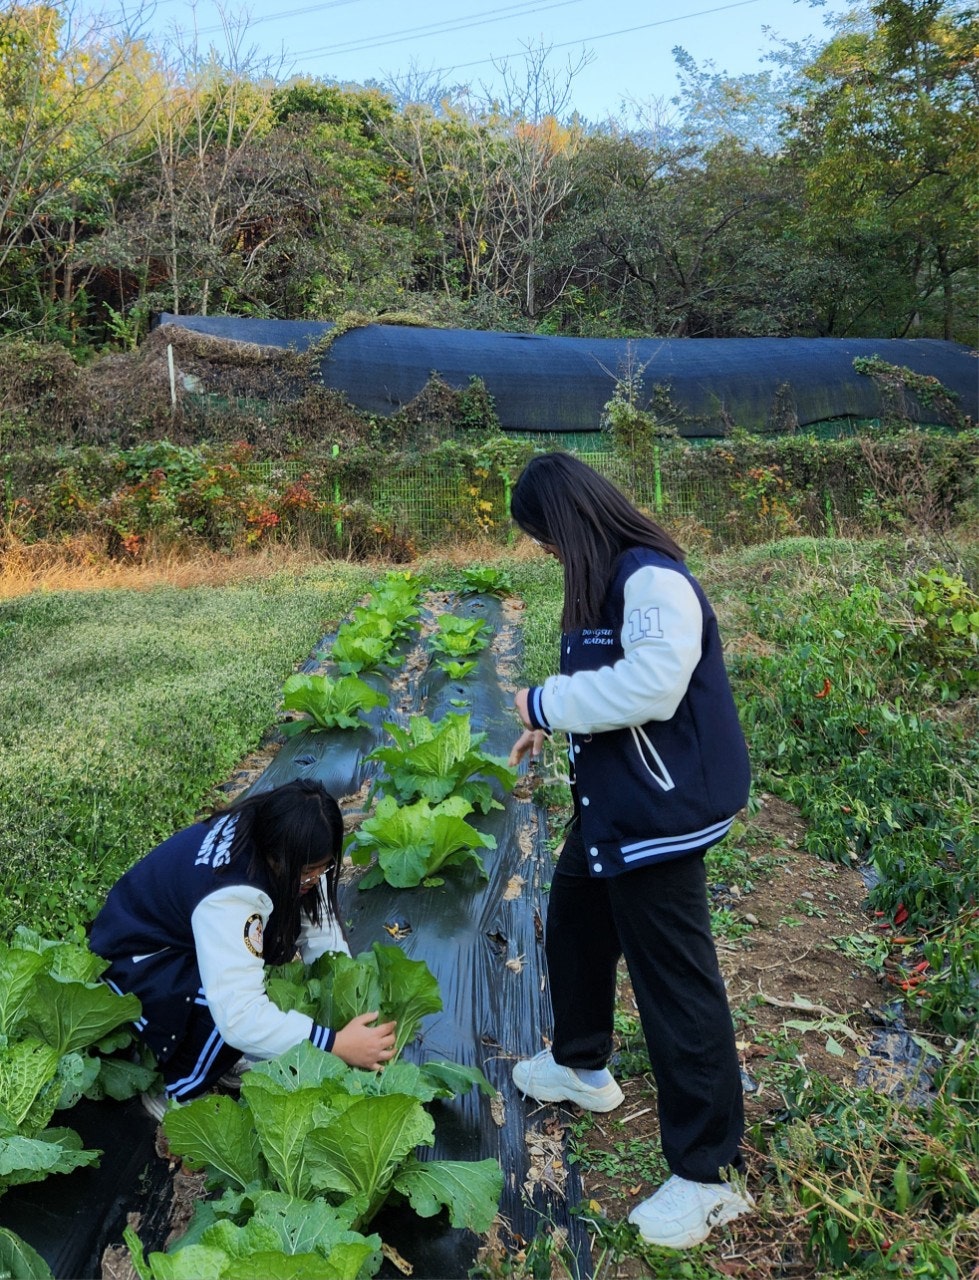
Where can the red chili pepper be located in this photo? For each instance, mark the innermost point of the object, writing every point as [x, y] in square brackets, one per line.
[901, 914]
[827, 685]
[921, 967]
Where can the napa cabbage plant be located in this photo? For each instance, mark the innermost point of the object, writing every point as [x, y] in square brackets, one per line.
[56, 1022]
[362, 644]
[267, 1234]
[327, 703]
[413, 842]
[338, 987]
[455, 670]
[324, 1135]
[434, 760]
[485, 579]
[458, 637]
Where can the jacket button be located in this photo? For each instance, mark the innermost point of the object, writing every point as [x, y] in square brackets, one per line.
[593, 852]
[577, 749]
[585, 800]
[597, 866]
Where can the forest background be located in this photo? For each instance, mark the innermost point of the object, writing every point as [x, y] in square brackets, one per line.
[833, 193]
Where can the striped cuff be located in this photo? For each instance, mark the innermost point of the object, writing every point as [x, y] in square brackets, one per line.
[322, 1037]
[535, 710]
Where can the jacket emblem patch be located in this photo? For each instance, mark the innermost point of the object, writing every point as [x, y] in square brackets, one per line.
[254, 934]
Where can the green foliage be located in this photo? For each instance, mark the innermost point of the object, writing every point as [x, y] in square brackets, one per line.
[945, 645]
[937, 403]
[486, 579]
[315, 1130]
[53, 1015]
[826, 701]
[415, 841]
[633, 427]
[337, 988]
[458, 637]
[887, 1188]
[327, 703]
[436, 760]
[368, 637]
[19, 1261]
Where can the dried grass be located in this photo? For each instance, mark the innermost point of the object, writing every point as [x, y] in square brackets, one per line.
[81, 564]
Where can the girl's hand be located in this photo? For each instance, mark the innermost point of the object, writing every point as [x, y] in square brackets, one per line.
[520, 702]
[360, 1045]
[530, 740]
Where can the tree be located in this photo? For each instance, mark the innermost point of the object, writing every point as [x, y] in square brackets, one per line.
[74, 95]
[885, 136]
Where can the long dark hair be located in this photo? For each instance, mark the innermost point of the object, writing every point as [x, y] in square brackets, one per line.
[564, 503]
[282, 832]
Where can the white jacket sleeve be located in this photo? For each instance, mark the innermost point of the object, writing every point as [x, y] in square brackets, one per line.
[316, 940]
[661, 641]
[228, 927]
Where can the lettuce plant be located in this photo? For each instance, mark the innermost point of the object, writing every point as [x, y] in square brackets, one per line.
[327, 703]
[415, 841]
[436, 760]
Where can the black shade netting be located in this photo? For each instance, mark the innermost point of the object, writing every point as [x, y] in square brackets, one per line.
[551, 384]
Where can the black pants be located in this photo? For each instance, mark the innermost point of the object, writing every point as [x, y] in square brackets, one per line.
[201, 1059]
[658, 919]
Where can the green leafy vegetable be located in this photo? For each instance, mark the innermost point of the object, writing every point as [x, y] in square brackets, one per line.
[458, 637]
[338, 987]
[413, 842]
[324, 1131]
[328, 703]
[485, 579]
[469, 1189]
[52, 1009]
[360, 648]
[438, 760]
[19, 1261]
[455, 670]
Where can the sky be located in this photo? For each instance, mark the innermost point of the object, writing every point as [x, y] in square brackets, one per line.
[626, 44]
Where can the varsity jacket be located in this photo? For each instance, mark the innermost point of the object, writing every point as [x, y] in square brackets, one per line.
[659, 765]
[185, 926]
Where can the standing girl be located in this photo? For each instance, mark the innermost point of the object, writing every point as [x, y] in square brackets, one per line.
[190, 928]
[659, 768]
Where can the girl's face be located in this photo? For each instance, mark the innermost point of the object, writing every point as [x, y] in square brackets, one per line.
[312, 874]
[549, 547]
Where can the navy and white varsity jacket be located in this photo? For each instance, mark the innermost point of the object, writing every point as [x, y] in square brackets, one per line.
[177, 934]
[658, 760]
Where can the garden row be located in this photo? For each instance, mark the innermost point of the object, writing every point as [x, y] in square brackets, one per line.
[855, 666]
[315, 1148]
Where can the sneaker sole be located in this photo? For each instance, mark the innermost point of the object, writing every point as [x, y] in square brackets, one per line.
[606, 1099]
[727, 1214]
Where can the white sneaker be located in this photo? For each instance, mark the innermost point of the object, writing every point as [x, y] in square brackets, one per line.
[544, 1080]
[682, 1213]
[155, 1104]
